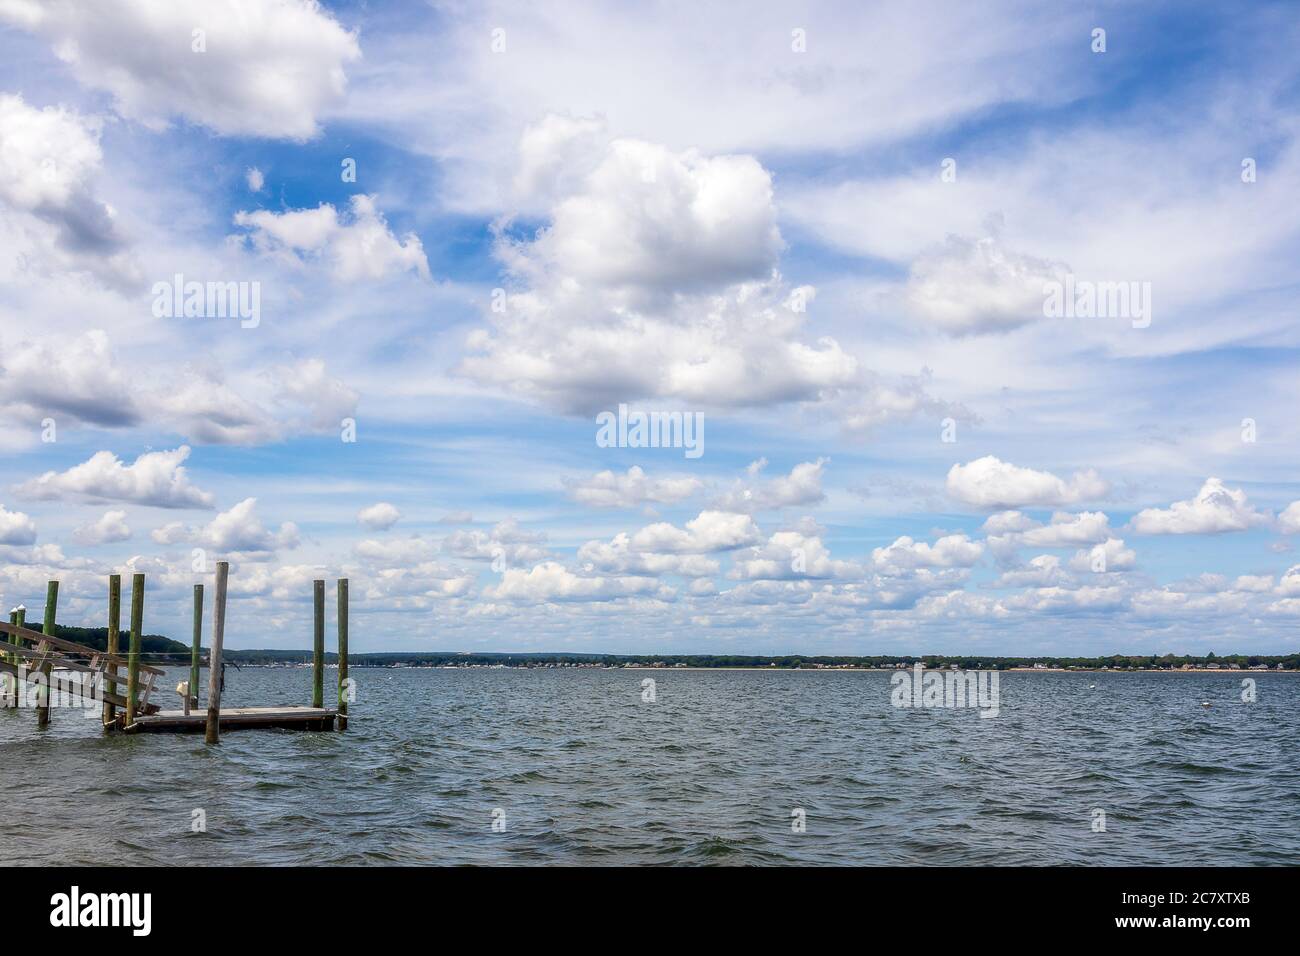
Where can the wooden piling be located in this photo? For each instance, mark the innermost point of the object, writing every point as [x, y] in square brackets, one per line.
[47, 666]
[114, 630]
[12, 682]
[133, 654]
[343, 653]
[213, 734]
[19, 617]
[195, 647]
[318, 645]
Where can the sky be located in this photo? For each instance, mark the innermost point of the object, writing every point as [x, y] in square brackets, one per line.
[983, 316]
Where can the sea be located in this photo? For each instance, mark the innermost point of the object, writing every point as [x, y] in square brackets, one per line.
[578, 766]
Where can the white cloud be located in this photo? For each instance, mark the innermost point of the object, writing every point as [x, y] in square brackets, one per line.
[158, 479]
[76, 378]
[710, 531]
[379, 517]
[989, 482]
[551, 581]
[801, 488]
[1042, 571]
[357, 246]
[1288, 522]
[269, 68]
[16, 528]
[506, 542]
[239, 529]
[607, 489]
[1066, 529]
[111, 527]
[618, 557]
[790, 555]
[655, 278]
[254, 178]
[1110, 555]
[1215, 509]
[972, 286]
[48, 162]
[904, 555]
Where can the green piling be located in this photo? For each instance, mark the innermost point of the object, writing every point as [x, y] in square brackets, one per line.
[43, 691]
[114, 632]
[318, 646]
[343, 653]
[196, 644]
[133, 655]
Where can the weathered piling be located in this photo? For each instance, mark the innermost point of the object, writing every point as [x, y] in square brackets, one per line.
[13, 686]
[343, 653]
[114, 630]
[133, 654]
[213, 734]
[196, 645]
[19, 617]
[318, 645]
[47, 666]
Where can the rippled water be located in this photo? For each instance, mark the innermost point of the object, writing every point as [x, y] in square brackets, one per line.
[585, 772]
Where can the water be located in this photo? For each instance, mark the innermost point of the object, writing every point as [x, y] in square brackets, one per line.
[585, 772]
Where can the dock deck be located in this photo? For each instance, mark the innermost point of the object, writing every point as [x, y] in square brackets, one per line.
[236, 718]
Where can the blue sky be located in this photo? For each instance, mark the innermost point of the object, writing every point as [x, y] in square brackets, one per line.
[745, 213]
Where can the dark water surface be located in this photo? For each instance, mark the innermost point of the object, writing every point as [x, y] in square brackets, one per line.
[585, 772]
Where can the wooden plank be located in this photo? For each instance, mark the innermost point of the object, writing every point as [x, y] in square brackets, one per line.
[17, 671]
[238, 718]
[70, 647]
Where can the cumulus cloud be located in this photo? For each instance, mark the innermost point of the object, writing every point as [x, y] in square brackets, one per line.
[904, 555]
[78, 378]
[1110, 555]
[1215, 509]
[970, 286]
[1288, 522]
[656, 277]
[379, 517]
[357, 245]
[801, 488]
[240, 529]
[507, 542]
[158, 479]
[619, 557]
[989, 482]
[268, 68]
[709, 532]
[48, 162]
[111, 527]
[16, 528]
[606, 489]
[790, 555]
[551, 581]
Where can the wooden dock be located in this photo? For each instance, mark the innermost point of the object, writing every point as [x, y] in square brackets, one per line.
[33, 663]
[235, 718]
